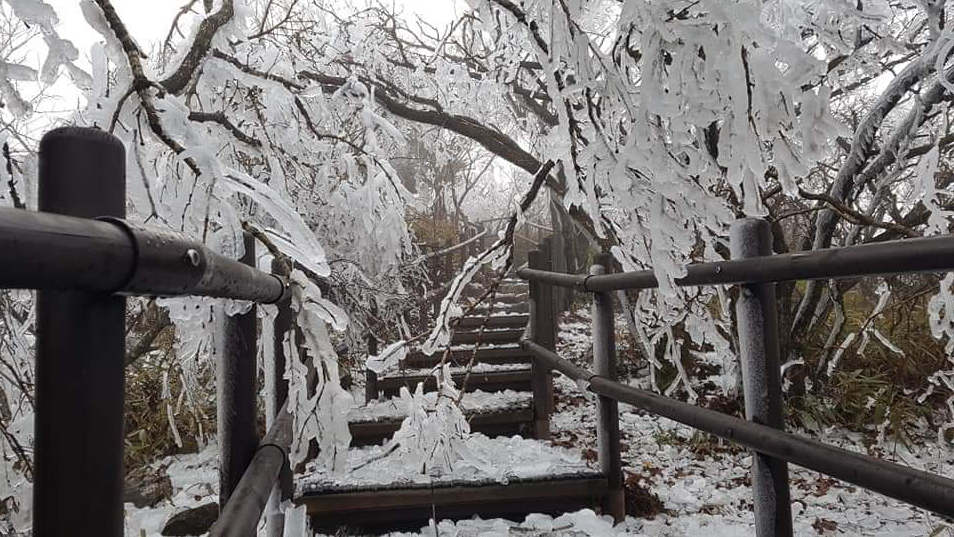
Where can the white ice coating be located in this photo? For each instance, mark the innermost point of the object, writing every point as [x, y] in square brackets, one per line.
[479, 367]
[470, 346]
[476, 402]
[498, 459]
[389, 357]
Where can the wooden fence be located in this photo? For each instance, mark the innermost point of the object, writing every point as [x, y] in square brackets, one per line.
[756, 270]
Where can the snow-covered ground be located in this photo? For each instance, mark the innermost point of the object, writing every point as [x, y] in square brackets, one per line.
[703, 484]
[195, 482]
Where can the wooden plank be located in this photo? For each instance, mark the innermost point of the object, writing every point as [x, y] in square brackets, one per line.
[365, 507]
[506, 321]
[505, 355]
[488, 337]
[519, 307]
[513, 288]
[504, 422]
[544, 334]
[512, 298]
[491, 381]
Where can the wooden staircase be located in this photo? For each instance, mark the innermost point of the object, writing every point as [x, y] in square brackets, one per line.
[500, 400]
[485, 356]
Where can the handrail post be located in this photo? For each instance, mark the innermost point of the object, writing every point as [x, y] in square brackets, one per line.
[549, 245]
[541, 332]
[78, 427]
[604, 365]
[761, 378]
[235, 383]
[282, 324]
[370, 377]
[549, 300]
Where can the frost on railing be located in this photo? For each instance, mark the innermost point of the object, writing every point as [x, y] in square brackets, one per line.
[323, 416]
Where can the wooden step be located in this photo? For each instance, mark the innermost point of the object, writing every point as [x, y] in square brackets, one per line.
[500, 355]
[513, 288]
[505, 321]
[504, 422]
[490, 381]
[488, 337]
[375, 510]
[517, 307]
[512, 298]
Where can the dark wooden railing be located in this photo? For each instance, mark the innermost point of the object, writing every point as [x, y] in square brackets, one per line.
[83, 258]
[756, 271]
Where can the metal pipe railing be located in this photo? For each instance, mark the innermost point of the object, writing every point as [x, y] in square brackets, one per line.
[79, 381]
[925, 254]
[241, 514]
[756, 316]
[236, 390]
[541, 328]
[275, 400]
[553, 361]
[607, 409]
[80, 254]
[922, 489]
[82, 257]
[48, 251]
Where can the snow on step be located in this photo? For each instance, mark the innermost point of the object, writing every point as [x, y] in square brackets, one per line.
[483, 346]
[478, 367]
[502, 313]
[477, 402]
[493, 461]
[577, 524]
[500, 322]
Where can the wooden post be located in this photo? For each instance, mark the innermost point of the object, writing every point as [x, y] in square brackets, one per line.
[468, 250]
[235, 385]
[370, 377]
[553, 248]
[541, 331]
[475, 246]
[547, 248]
[761, 378]
[604, 365]
[448, 262]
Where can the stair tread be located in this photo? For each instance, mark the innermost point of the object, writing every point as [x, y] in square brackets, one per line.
[512, 459]
[477, 402]
[478, 368]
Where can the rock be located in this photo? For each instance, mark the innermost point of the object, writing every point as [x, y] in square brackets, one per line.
[195, 521]
[640, 501]
[147, 486]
